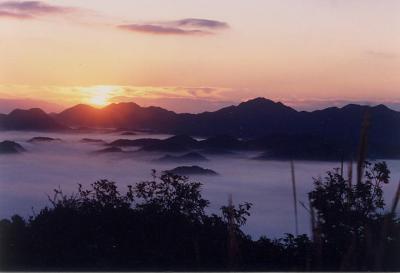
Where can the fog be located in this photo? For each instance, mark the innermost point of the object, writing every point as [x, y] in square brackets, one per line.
[26, 178]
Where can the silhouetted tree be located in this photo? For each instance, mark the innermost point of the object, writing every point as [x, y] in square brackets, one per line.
[350, 216]
[162, 224]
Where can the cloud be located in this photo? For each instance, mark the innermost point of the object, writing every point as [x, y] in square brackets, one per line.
[188, 26]
[162, 30]
[200, 91]
[30, 9]
[15, 15]
[202, 23]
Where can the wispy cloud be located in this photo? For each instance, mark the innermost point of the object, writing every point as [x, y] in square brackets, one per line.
[201, 23]
[21, 10]
[188, 26]
[14, 15]
[30, 9]
[162, 30]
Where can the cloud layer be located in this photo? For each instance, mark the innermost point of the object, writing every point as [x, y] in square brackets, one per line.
[188, 26]
[30, 9]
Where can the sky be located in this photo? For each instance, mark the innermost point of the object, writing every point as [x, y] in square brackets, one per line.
[193, 56]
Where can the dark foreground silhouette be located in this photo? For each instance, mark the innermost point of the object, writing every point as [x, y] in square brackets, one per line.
[161, 224]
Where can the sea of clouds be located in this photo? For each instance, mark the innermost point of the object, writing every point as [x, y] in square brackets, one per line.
[26, 179]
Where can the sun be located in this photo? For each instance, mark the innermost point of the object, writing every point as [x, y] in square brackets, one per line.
[100, 95]
[99, 100]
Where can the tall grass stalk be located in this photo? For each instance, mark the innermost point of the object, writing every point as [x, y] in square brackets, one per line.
[395, 200]
[349, 256]
[294, 198]
[232, 242]
[316, 237]
[350, 173]
[379, 254]
[362, 149]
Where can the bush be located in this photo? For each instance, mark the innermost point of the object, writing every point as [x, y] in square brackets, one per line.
[156, 224]
[350, 218]
[161, 224]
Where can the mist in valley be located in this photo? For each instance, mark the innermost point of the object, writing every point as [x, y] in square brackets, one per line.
[27, 178]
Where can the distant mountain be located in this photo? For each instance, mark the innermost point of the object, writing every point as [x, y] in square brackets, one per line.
[121, 115]
[10, 147]
[192, 170]
[44, 139]
[32, 119]
[134, 142]
[177, 143]
[254, 117]
[93, 140]
[109, 150]
[270, 125]
[188, 157]
[222, 142]
[128, 134]
[257, 117]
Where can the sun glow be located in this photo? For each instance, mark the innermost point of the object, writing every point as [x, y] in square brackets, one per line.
[99, 95]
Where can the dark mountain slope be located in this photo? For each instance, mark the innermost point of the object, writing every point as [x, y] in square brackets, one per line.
[260, 119]
[10, 147]
[121, 115]
[177, 143]
[255, 117]
[32, 119]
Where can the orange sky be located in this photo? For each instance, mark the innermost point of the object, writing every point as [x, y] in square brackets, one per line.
[177, 53]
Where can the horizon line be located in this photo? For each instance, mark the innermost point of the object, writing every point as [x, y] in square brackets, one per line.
[349, 102]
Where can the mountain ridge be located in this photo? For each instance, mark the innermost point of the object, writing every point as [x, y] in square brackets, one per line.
[259, 118]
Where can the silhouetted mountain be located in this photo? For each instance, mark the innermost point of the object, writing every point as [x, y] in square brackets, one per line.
[222, 142]
[32, 119]
[128, 134]
[192, 170]
[174, 144]
[43, 139]
[189, 157]
[92, 140]
[257, 117]
[306, 147]
[260, 119]
[121, 115]
[109, 150]
[135, 142]
[10, 147]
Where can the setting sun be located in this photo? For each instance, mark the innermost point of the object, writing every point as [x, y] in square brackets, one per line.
[100, 95]
[99, 100]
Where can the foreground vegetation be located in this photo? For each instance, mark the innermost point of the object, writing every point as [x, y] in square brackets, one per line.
[161, 224]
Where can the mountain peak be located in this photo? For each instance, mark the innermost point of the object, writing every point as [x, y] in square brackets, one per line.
[257, 101]
[123, 105]
[354, 107]
[32, 119]
[32, 111]
[382, 107]
[261, 103]
[80, 107]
